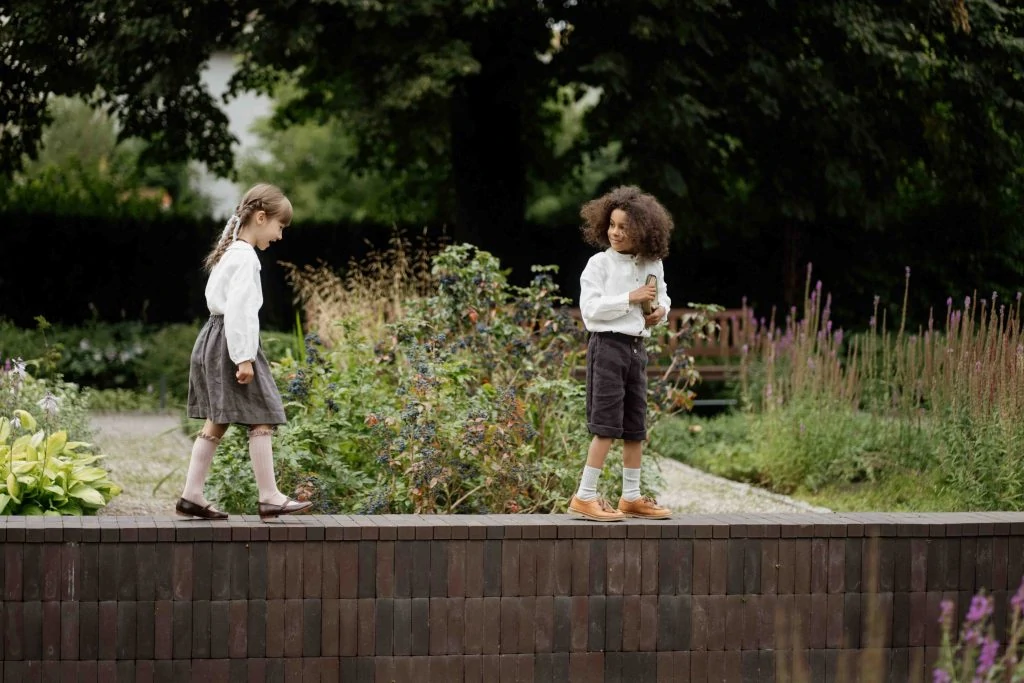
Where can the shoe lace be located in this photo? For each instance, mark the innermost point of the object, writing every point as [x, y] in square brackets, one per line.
[649, 500]
[604, 505]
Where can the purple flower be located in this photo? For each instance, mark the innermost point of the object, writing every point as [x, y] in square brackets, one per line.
[946, 616]
[981, 607]
[949, 301]
[987, 658]
[940, 676]
[908, 271]
[967, 301]
[871, 323]
[1018, 599]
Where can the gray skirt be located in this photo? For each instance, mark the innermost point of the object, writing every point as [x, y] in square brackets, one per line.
[215, 394]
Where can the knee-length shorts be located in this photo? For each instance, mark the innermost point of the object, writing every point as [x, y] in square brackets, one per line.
[617, 386]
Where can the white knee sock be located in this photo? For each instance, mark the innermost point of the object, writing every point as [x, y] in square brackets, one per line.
[630, 484]
[588, 483]
[198, 467]
[262, 455]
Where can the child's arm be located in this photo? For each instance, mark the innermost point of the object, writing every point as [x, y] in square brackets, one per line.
[241, 314]
[663, 299]
[595, 304]
[659, 316]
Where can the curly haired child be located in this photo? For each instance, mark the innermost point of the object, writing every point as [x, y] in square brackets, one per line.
[633, 229]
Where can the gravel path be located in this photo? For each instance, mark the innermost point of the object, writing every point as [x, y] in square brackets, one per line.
[148, 456]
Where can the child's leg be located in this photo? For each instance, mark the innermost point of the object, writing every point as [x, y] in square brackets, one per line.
[199, 464]
[596, 455]
[261, 453]
[631, 452]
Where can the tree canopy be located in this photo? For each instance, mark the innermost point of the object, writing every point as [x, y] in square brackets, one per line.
[791, 121]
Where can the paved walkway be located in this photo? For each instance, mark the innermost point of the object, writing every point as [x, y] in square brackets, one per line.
[148, 456]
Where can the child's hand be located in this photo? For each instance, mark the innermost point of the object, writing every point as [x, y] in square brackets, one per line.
[655, 317]
[642, 294]
[245, 373]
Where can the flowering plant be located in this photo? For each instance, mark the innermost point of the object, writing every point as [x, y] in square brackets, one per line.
[976, 658]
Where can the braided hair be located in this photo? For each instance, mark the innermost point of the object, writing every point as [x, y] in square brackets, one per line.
[261, 197]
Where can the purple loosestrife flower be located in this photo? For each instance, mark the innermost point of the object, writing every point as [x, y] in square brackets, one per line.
[946, 616]
[987, 658]
[1018, 598]
[940, 676]
[980, 608]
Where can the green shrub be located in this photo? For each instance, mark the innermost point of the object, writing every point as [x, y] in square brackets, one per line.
[465, 403]
[41, 470]
[133, 359]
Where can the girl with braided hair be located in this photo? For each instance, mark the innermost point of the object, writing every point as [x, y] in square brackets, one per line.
[229, 377]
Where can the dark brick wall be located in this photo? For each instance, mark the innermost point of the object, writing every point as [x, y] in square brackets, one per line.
[493, 598]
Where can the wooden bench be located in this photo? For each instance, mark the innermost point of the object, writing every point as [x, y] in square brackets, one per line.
[717, 358]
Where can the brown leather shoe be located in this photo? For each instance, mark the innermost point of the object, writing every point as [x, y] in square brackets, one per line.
[288, 507]
[644, 507]
[186, 508]
[597, 510]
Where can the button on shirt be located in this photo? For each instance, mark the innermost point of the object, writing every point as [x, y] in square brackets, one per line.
[234, 291]
[604, 292]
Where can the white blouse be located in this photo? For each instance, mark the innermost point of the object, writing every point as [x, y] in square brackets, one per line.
[604, 292]
[234, 291]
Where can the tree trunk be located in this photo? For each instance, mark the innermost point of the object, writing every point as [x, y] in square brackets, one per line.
[487, 165]
[792, 253]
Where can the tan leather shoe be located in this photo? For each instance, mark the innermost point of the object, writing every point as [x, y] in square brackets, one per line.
[597, 510]
[644, 507]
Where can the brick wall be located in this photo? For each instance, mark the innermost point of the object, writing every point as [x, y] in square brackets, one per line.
[493, 598]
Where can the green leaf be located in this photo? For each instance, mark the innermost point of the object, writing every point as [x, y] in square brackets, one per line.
[56, 442]
[27, 421]
[31, 510]
[5, 431]
[87, 494]
[4, 500]
[88, 474]
[12, 487]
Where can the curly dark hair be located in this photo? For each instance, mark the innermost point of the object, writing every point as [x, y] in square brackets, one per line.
[650, 225]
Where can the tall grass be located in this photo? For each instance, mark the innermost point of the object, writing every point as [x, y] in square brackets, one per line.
[372, 291]
[945, 398]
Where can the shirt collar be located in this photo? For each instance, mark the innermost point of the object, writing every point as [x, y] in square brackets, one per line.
[621, 258]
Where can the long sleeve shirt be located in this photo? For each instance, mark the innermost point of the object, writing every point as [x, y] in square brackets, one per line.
[234, 291]
[605, 285]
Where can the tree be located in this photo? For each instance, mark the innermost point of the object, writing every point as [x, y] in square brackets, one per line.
[82, 167]
[762, 122]
[802, 121]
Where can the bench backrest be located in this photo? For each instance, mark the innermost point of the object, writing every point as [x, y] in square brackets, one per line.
[735, 327]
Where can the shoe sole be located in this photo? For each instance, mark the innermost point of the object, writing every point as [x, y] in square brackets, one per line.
[207, 519]
[594, 518]
[636, 516]
[275, 515]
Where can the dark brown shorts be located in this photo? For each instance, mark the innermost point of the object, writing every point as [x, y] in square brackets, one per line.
[617, 386]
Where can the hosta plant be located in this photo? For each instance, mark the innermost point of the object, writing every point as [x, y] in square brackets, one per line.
[43, 473]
